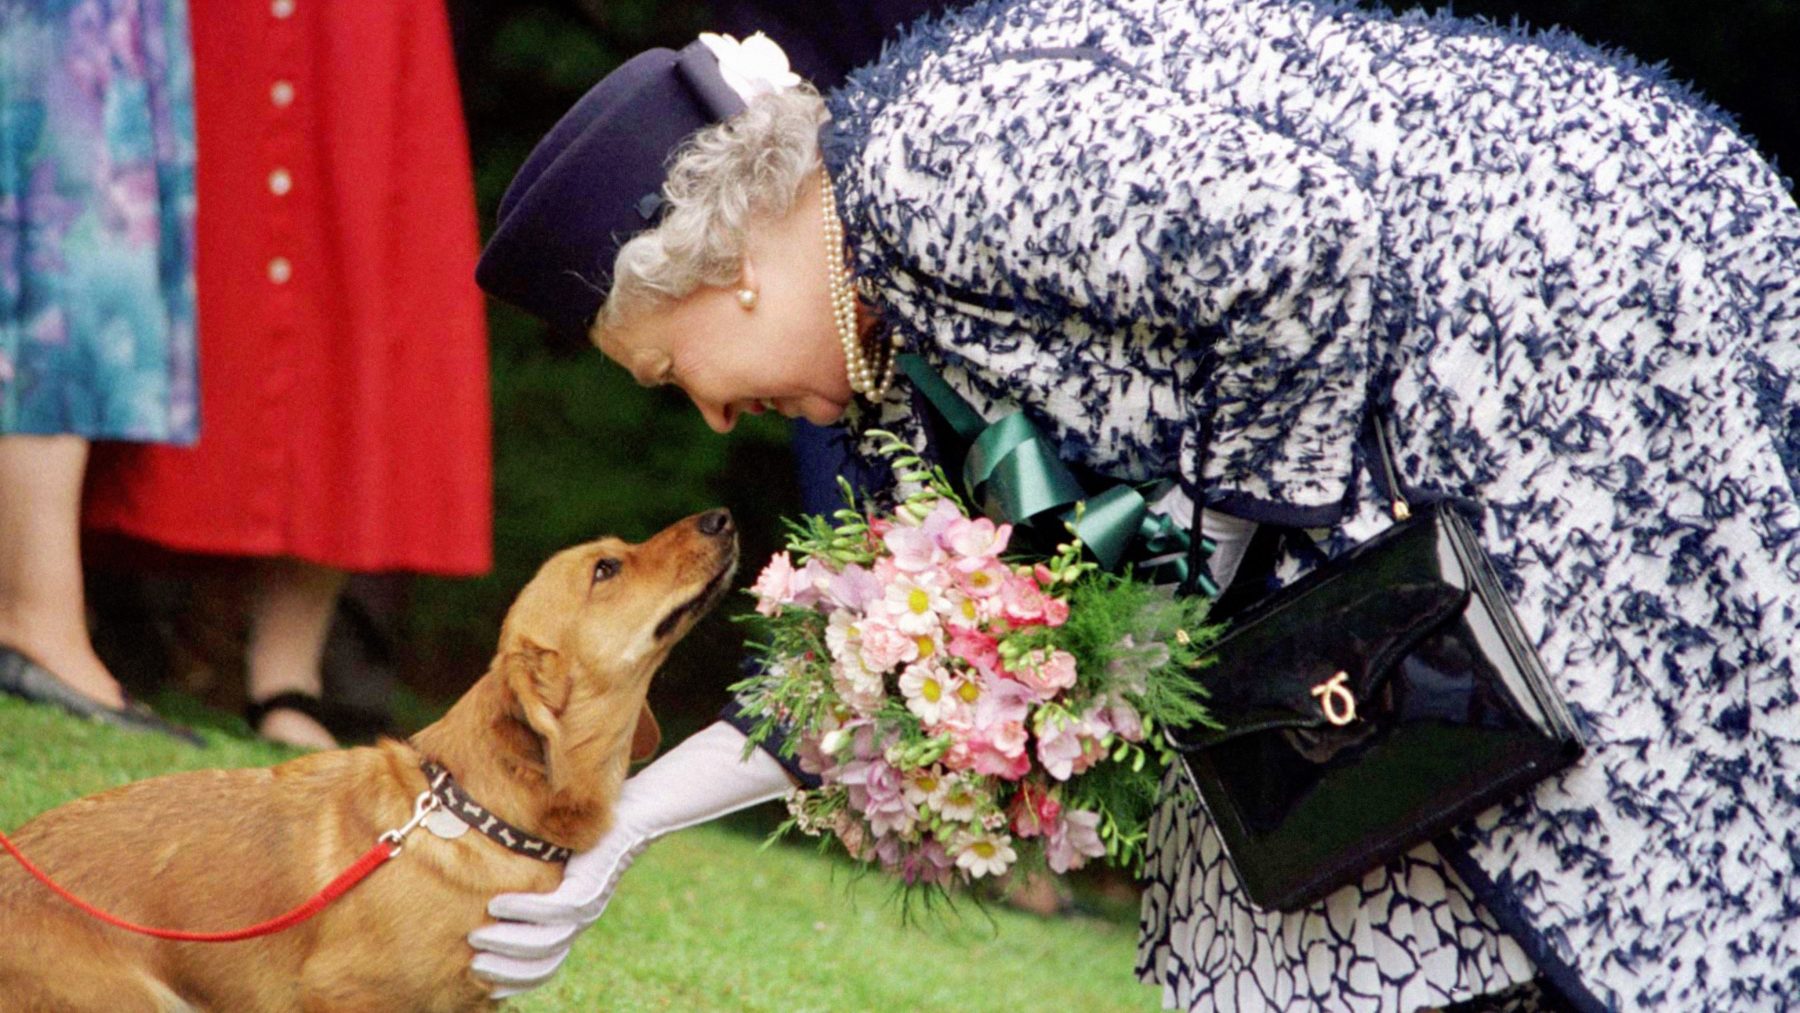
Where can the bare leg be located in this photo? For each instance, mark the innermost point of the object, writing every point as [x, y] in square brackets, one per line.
[289, 618]
[43, 613]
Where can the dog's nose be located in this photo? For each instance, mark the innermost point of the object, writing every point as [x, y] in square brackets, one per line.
[715, 522]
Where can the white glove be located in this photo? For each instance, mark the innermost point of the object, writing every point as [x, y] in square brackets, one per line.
[1230, 535]
[703, 778]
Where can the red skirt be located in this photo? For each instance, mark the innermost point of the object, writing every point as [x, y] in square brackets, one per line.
[343, 350]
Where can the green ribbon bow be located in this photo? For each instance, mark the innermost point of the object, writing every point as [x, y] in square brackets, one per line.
[1012, 475]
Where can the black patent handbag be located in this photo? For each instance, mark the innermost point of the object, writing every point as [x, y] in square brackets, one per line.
[1370, 706]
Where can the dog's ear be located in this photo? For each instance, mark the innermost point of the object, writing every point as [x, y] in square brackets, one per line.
[539, 683]
[646, 737]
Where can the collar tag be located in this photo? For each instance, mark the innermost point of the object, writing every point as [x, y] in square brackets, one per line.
[442, 823]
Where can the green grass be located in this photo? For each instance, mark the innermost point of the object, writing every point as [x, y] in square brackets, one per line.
[706, 920]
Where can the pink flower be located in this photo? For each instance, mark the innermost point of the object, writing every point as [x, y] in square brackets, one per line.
[1046, 674]
[891, 816]
[1069, 747]
[852, 588]
[884, 647]
[1125, 720]
[1002, 701]
[976, 540]
[913, 549]
[927, 863]
[1072, 840]
[807, 585]
[978, 649]
[996, 741]
[885, 571]
[1056, 611]
[1033, 810]
[1021, 602]
[987, 757]
[984, 579]
[890, 849]
[772, 584]
[780, 584]
[958, 721]
[1057, 747]
[944, 514]
[878, 790]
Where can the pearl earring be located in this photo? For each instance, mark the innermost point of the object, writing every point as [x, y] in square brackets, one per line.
[746, 298]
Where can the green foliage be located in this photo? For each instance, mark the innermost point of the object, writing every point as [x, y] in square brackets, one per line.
[557, 50]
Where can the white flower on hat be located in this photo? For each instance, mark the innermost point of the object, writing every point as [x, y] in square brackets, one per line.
[753, 67]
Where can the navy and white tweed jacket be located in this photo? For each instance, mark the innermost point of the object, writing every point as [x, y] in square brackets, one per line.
[1575, 288]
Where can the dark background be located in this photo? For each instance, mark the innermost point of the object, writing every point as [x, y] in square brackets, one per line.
[579, 449]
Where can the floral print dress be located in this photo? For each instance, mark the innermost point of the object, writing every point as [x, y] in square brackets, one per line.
[97, 220]
[1574, 289]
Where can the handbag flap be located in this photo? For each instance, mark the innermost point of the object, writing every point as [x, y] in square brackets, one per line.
[1289, 660]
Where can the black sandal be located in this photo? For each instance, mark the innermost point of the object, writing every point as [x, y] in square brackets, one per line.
[346, 724]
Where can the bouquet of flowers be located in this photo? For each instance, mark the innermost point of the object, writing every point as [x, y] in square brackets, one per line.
[966, 709]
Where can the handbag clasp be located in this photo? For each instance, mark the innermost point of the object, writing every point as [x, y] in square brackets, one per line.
[1336, 700]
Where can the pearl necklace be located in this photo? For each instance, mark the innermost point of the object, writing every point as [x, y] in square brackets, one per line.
[843, 305]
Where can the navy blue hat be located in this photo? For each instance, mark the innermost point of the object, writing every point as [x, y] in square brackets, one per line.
[596, 180]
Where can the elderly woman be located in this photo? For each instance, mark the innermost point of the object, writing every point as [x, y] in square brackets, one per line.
[1570, 285]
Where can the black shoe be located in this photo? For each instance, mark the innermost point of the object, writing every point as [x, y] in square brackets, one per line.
[344, 723]
[28, 680]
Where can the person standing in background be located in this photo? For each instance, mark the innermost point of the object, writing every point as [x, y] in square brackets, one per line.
[96, 307]
[345, 348]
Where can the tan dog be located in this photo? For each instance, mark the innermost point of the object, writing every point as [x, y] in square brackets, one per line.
[543, 740]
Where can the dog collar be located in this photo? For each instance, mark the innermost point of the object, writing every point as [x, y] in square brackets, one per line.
[457, 802]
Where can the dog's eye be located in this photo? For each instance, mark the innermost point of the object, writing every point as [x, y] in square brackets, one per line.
[606, 569]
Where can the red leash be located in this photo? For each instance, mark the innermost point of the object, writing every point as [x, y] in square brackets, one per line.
[385, 847]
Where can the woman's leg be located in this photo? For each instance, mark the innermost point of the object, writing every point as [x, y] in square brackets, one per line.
[290, 614]
[42, 610]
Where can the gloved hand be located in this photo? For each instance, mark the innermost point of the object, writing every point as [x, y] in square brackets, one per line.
[703, 778]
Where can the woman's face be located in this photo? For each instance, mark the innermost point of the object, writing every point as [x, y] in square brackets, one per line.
[784, 355]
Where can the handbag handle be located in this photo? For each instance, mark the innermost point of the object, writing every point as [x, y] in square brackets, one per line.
[1390, 472]
[1199, 548]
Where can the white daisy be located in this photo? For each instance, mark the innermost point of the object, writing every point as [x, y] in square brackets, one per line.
[927, 691]
[985, 854]
[916, 604]
[959, 800]
[925, 788]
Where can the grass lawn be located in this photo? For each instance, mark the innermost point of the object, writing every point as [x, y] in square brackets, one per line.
[706, 919]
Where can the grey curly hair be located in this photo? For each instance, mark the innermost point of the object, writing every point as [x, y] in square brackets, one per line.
[750, 166]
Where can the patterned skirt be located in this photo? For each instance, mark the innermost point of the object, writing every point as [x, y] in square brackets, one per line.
[97, 221]
[1406, 937]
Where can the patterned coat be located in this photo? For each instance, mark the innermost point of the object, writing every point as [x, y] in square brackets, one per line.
[1579, 290]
